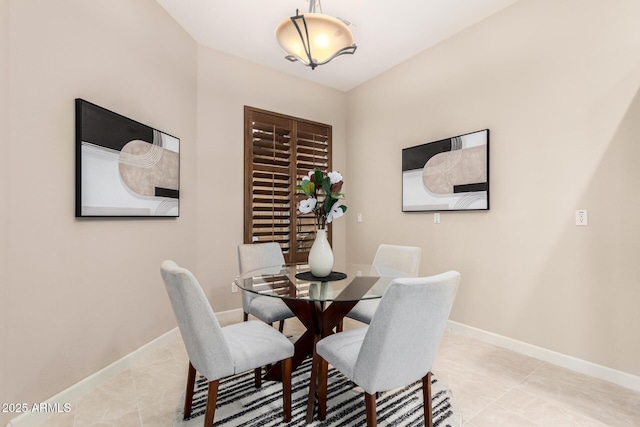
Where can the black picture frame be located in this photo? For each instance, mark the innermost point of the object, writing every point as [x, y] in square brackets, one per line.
[451, 174]
[123, 167]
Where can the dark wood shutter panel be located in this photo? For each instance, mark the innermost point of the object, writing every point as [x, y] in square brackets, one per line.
[312, 150]
[279, 151]
[267, 172]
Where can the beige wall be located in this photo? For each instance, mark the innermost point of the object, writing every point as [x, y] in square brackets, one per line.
[225, 85]
[4, 188]
[557, 84]
[80, 294]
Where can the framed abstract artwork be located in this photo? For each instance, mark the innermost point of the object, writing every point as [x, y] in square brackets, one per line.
[124, 168]
[447, 175]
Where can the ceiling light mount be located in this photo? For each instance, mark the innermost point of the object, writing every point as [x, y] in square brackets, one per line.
[314, 38]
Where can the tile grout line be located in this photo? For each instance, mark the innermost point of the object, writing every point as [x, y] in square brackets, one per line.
[135, 392]
[509, 389]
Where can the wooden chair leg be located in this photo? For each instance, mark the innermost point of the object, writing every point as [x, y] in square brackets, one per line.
[245, 317]
[258, 375]
[340, 326]
[313, 382]
[370, 403]
[212, 398]
[286, 389]
[426, 394]
[323, 368]
[281, 326]
[188, 395]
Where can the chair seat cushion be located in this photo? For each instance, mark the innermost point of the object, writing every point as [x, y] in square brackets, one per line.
[341, 350]
[364, 310]
[269, 309]
[254, 344]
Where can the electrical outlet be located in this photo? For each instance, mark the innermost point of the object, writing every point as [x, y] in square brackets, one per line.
[234, 287]
[581, 217]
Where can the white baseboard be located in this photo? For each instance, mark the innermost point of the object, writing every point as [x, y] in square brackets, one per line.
[578, 365]
[230, 316]
[71, 394]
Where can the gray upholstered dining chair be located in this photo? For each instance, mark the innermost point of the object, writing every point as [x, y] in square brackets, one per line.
[218, 352]
[253, 256]
[398, 347]
[391, 261]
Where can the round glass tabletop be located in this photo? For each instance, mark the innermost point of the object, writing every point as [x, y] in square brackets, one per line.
[357, 282]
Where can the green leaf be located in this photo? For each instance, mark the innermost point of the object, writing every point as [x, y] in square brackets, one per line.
[344, 208]
[326, 185]
[318, 177]
[328, 202]
[308, 188]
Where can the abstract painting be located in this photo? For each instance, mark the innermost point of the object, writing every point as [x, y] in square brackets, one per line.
[447, 175]
[124, 168]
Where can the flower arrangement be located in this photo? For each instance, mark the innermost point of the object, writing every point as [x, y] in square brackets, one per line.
[322, 196]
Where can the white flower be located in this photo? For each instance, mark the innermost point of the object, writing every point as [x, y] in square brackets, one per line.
[335, 212]
[307, 205]
[334, 177]
[309, 175]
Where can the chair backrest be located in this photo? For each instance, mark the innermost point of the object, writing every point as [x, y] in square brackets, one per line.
[202, 335]
[401, 343]
[252, 256]
[398, 261]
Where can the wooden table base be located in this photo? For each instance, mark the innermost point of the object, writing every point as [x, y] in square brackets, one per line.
[319, 323]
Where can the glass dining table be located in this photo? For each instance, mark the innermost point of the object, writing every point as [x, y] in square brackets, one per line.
[320, 303]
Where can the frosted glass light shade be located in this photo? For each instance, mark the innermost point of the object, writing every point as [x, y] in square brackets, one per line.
[328, 37]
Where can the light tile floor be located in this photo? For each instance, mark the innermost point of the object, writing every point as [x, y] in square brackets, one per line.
[492, 387]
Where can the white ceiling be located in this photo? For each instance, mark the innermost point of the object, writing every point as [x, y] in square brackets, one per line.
[386, 32]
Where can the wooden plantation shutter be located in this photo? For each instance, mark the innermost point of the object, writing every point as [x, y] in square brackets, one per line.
[312, 150]
[279, 151]
[268, 200]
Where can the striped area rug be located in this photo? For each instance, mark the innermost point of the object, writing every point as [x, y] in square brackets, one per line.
[240, 404]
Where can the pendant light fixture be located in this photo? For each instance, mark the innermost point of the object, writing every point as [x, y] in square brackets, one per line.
[314, 38]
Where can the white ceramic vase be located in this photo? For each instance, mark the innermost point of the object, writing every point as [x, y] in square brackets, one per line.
[321, 255]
